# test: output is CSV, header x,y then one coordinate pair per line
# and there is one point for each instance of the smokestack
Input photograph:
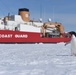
x,y
24,12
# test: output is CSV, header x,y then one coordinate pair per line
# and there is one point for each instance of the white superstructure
x,y
15,22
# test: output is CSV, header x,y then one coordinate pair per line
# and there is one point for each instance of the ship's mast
x,y
53,13
41,9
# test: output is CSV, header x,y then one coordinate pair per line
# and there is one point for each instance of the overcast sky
x,y
63,11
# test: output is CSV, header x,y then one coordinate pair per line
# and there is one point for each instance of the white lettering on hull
x,y
5,35
21,36
15,36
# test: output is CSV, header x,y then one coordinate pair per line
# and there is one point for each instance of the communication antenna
x,y
40,19
53,13
49,20
41,9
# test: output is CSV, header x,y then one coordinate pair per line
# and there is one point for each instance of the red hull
x,y
7,36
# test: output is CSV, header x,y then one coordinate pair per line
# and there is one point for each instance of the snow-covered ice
x,y
36,59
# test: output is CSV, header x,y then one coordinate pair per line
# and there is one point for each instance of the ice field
x,y
36,59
